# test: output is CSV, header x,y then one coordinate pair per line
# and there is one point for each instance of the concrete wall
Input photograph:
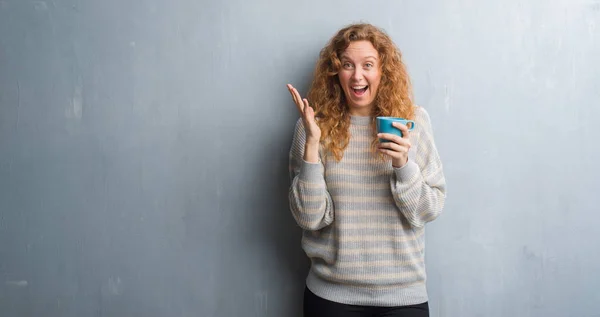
x,y
143,153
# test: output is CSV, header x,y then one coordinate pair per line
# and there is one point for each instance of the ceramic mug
x,y
384,125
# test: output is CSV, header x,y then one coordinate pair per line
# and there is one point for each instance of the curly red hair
x,y
393,98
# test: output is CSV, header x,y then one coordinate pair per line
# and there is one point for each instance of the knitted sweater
x,y
363,220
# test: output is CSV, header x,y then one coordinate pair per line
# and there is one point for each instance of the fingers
x,y
403,141
398,152
297,99
306,111
395,147
402,128
309,112
291,90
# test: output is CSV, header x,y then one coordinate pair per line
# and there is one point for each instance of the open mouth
x,y
360,90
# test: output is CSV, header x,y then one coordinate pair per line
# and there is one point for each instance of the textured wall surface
x,y
143,153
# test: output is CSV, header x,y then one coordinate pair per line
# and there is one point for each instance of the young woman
x,y
363,204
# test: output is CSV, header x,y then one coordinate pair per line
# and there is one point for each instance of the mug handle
x,y
412,124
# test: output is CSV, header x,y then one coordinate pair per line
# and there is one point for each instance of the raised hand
x,y
313,132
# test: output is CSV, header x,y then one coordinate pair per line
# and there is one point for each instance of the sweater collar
x,y
360,120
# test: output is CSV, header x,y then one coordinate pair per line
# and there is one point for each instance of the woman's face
x,y
360,76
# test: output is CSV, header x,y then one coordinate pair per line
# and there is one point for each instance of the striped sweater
x,y
363,220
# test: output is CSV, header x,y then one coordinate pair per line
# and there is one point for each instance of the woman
x,y
363,204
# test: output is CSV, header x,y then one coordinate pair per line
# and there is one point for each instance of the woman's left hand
x,y
398,146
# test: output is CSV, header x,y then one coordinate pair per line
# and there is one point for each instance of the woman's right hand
x,y
313,132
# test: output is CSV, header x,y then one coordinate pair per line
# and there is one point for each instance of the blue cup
x,y
384,125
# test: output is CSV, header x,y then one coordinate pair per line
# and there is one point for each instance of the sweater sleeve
x,y
419,187
310,202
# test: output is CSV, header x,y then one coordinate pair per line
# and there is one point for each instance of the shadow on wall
x,y
281,235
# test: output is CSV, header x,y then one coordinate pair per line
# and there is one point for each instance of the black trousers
x,y
315,306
